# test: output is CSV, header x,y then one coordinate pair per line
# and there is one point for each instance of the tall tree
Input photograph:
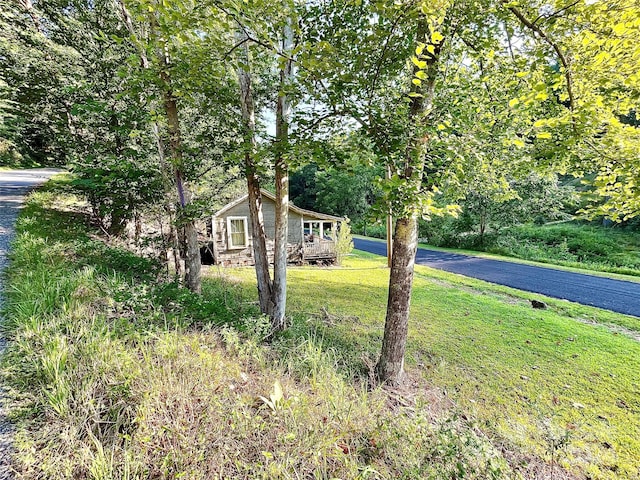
x,y
192,275
366,79
492,82
283,114
390,367
269,30
247,103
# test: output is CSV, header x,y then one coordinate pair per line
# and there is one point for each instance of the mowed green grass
x,y
558,383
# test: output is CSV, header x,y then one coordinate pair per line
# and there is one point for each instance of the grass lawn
x,y
540,382
115,372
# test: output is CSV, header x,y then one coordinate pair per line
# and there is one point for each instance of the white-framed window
x,y
237,232
311,230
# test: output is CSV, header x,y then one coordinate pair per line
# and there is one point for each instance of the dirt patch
x,y
533,468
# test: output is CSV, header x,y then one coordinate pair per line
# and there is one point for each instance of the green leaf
x,y
419,63
620,29
436,37
513,102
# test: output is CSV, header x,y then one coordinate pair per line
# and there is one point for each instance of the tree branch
x,y
383,53
319,120
557,12
237,45
563,59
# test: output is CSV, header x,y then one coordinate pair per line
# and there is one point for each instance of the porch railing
x,y
319,249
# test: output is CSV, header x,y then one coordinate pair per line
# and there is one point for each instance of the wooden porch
x,y
320,249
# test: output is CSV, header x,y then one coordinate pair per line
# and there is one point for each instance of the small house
x,y
312,235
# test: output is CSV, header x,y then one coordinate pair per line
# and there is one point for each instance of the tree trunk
x,y
283,110
175,244
390,367
192,279
259,235
261,258
192,261
169,204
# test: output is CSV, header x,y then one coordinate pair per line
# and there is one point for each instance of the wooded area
x,y
424,109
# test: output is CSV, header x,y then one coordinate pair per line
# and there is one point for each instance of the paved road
x,y
14,185
616,295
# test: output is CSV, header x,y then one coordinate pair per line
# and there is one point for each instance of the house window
x,y
312,231
328,231
237,232
315,231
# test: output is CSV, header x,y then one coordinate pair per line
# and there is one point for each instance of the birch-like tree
x,y
267,32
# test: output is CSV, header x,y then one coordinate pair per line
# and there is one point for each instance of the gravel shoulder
x,y
14,186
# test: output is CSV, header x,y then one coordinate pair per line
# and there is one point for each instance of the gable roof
x,y
301,211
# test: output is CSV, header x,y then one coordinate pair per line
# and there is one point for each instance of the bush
x,y
115,188
11,157
344,241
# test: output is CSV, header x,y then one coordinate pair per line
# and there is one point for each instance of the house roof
x,y
305,213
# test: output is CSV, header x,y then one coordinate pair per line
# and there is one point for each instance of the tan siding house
x,y
311,234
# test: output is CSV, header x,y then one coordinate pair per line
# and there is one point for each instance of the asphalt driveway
x,y
616,295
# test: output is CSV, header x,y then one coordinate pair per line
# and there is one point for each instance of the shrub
x,y
344,241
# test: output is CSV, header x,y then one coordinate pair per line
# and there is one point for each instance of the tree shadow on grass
x,y
354,341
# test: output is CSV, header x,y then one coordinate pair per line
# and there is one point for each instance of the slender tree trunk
x,y
192,266
389,226
390,367
175,246
483,226
283,110
259,236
